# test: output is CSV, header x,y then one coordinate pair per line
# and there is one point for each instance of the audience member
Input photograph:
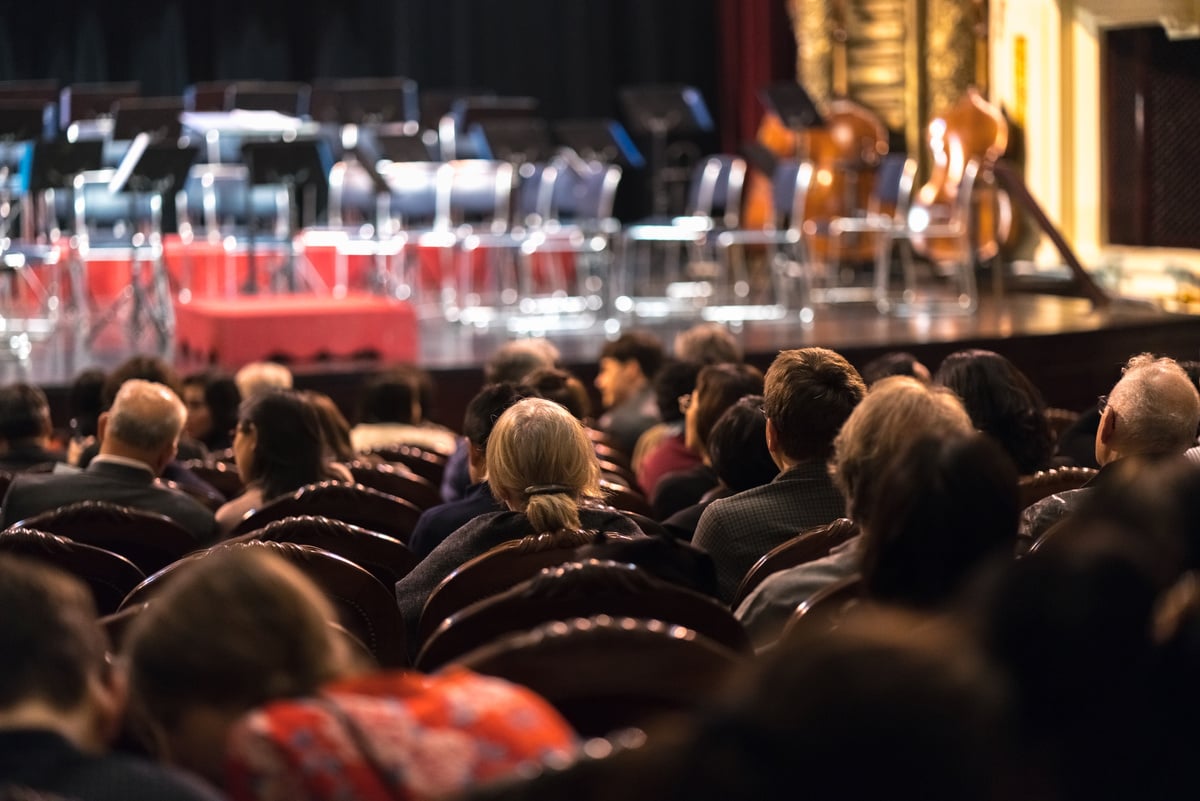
x,y
212,399
138,437
541,465
1152,411
628,365
60,702
808,394
438,523
25,429
661,449
896,362
393,411
256,377
85,402
564,389
718,387
1003,403
335,432
278,448
242,629
707,343
737,447
896,412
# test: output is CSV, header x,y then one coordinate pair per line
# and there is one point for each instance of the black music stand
x,y
147,170
365,101
400,146
792,104
514,139
158,117
468,112
89,101
54,164
302,167
660,111
603,140
20,121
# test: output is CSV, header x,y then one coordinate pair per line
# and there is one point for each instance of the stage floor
x,y
1070,350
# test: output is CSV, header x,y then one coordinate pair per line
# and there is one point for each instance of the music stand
x,y
365,101
89,101
400,146
516,140
603,140
148,169
792,104
660,111
302,167
158,117
467,112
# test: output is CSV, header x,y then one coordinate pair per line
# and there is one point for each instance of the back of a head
x,y
24,413
486,408
335,429
146,416
718,387
50,642
639,346
708,343
399,395
221,395
1157,405
808,394
258,376
887,705
675,378
85,401
737,446
540,459
563,388
289,446
147,368
944,506
1003,403
230,631
896,412
896,362
512,361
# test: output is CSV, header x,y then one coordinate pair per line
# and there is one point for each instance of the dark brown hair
x,y
808,395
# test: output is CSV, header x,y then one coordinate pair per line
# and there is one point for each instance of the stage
x,y
1070,350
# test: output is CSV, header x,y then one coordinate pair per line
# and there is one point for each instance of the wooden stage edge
x,y
1071,351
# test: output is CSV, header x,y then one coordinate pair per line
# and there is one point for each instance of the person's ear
x,y
101,426
1108,426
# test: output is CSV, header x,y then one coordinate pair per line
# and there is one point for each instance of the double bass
x,y
972,130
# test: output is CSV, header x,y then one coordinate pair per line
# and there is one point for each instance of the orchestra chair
x,y
108,575
350,503
395,479
811,544
580,589
497,570
386,558
151,541
364,607
604,673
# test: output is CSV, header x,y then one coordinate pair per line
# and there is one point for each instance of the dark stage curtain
x,y
758,47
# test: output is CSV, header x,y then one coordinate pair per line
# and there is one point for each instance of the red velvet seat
x,y
1045,483
581,589
396,480
605,673
350,503
108,575
813,543
151,541
386,558
364,606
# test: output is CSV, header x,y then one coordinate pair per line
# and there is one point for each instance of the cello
x,y
972,130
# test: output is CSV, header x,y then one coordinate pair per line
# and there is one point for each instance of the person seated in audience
x,y
138,438
890,704
553,383
718,387
278,448
1152,411
707,343
255,377
509,364
61,702
212,399
26,433
808,394
392,412
628,365
1003,403
438,523
895,362
896,412
335,434
737,448
238,674
662,448
541,465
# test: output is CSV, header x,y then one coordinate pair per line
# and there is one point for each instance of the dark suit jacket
x,y
33,493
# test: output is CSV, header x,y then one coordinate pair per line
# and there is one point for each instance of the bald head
x,y
144,423
1153,410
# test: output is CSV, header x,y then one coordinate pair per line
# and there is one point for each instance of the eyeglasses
x,y
685,402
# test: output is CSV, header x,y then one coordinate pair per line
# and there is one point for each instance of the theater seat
x,y
813,543
396,480
108,575
350,503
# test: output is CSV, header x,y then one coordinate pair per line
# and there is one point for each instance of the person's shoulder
x,y
133,779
